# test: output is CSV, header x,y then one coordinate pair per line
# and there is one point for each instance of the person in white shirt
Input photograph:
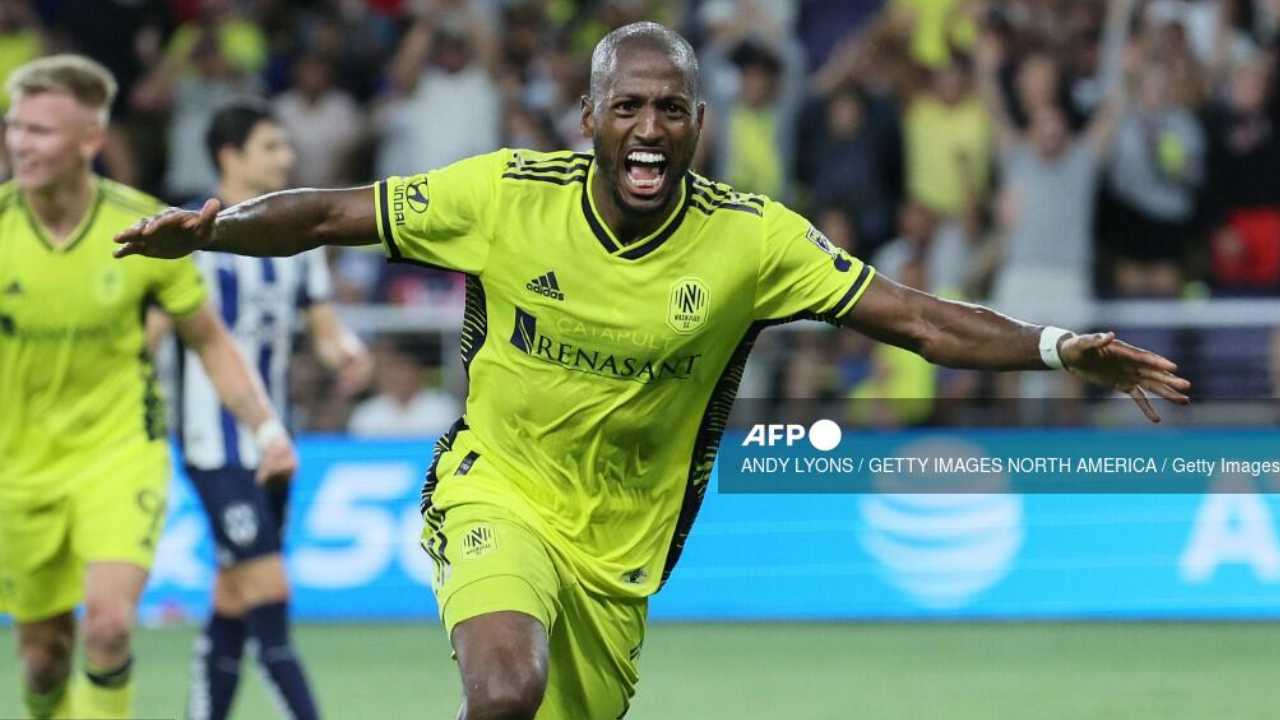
x,y
324,124
444,103
403,406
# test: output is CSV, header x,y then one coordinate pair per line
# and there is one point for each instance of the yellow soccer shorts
x,y
488,560
113,511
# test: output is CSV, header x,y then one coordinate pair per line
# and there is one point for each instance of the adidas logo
x,y
546,285
14,288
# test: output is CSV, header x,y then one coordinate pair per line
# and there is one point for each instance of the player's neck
x,y
60,207
626,227
231,192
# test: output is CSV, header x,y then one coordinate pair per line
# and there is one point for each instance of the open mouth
x,y
646,170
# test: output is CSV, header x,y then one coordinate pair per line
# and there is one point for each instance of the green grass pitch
x,y
1075,671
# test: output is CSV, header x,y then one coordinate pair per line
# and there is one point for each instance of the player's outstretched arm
x,y
274,225
240,390
962,335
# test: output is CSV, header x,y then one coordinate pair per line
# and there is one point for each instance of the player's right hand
x,y
278,463
172,234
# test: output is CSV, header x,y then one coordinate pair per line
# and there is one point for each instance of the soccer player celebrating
x,y
260,299
85,469
612,300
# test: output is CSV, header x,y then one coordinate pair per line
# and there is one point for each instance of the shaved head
x,y
644,119
641,36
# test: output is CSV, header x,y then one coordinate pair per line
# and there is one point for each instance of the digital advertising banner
x,y
815,522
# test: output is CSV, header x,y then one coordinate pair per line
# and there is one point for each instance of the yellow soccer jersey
x,y
74,372
601,376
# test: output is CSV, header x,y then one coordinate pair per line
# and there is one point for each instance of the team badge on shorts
x,y
240,523
478,541
687,310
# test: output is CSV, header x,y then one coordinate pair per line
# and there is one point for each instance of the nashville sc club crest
x,y
687,309
108,287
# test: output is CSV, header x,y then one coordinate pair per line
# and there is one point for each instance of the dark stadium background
x,y
869,117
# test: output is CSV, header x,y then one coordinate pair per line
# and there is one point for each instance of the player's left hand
x,y
172,234
1103,360
279,462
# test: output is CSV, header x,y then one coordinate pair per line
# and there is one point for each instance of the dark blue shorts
x,y
246,518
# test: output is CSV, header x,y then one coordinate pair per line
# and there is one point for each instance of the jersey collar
x,y
645,245
77,234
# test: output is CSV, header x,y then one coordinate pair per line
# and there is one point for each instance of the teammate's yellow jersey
x,y
601,375
75,376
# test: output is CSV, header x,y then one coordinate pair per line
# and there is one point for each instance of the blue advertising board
x,y
354,554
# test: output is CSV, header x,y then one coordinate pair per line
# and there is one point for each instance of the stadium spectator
x,y
822,25
888,101
403,405
359,37
124,35
901,386
1243,202
755,86
838,221
1201,22
1038,85
935,26
444,103
1155,170
240,40
525,127
324,122
127,37
21,40
555,87
1046,203
195,79
847,158
1047,197
947,135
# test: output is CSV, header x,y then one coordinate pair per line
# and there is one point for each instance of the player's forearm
x,y
963,335
237,386
157,325
953,334
294,221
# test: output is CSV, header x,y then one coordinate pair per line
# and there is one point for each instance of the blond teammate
x,y
85,469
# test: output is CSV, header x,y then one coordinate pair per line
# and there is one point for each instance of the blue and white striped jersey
x,y
261,300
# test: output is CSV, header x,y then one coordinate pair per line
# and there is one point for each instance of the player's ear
x,y
588,122
698,114
94,140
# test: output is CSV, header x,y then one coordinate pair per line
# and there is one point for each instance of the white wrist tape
x,y
1049,338
268,432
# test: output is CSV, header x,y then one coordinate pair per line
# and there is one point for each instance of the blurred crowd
x,y
1037,155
